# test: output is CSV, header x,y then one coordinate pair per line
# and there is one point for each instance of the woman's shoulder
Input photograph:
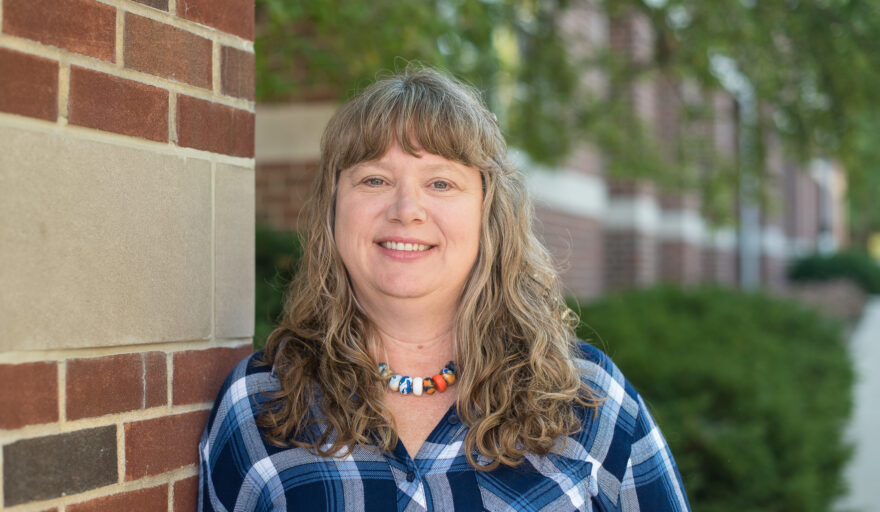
x,y
231,446
604,378
252,375
609,425
252,379
621,437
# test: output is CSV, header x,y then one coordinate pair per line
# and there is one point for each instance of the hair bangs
x,y
420,115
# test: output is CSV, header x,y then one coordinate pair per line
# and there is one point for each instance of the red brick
x,y
237,73
162,50
155,446
28,394
82,26
104,385
198,374
214,127
153,499
113,104
136,380
29,86
232,16
186,497
157,379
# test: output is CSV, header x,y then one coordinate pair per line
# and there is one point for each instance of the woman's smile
x,y
405,249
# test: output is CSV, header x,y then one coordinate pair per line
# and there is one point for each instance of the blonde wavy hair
x,y
517,383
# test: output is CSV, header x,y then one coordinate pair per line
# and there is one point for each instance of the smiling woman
x,y
420,257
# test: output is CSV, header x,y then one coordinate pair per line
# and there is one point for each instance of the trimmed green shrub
x,y
856,266
751,392
277,258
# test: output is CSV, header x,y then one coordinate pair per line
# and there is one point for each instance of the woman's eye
x,y
374,182
441,185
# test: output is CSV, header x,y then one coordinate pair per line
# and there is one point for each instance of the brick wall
x,y
126,246
281,191
630,259
719,266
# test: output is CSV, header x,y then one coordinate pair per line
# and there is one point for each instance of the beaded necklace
x,y
418,385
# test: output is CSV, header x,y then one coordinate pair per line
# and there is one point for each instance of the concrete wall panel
x,y
126,231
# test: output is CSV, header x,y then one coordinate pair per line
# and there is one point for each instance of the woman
x,y
426,359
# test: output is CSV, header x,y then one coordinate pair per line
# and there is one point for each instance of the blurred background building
x,y
610,227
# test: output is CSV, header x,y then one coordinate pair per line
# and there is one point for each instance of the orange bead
x,y
439,382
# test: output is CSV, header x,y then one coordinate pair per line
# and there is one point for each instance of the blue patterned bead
x,y
448,375
394,383
385,371
406,386
451,366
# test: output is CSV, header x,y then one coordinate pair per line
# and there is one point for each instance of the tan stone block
x,y
101,244
234,252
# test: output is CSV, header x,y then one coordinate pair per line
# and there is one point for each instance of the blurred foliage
x,y
752,393
277,258
856,266
813,66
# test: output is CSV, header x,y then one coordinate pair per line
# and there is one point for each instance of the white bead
x,y
394,383
417,386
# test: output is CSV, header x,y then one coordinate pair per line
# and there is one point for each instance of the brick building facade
x,y
126,244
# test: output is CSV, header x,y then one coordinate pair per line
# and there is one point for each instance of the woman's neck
x,y
413,337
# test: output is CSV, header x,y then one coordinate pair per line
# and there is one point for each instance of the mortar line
x,y
120,37
63,92
172,118
215,67
213,251
119,140
59,355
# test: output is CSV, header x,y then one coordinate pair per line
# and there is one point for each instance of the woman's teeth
x,y
400,246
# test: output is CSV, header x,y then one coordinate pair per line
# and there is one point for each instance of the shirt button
x,y
453,419
410,476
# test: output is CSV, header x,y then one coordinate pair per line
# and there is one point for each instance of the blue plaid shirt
x,y
618,461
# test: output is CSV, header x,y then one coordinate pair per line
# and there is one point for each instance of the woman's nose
x,y
408,205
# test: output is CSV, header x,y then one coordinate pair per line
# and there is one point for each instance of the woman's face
x,y
408,227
